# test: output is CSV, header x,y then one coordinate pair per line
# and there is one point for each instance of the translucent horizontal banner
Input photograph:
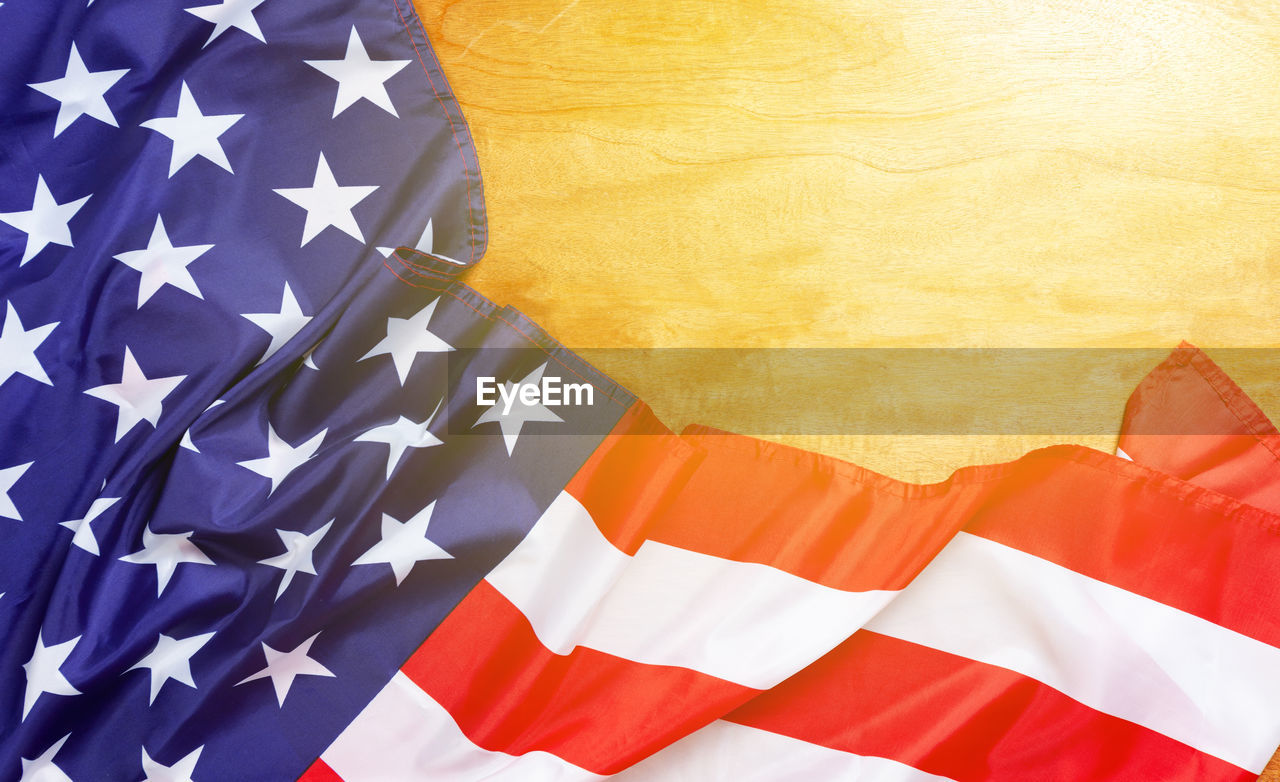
x,y
826,391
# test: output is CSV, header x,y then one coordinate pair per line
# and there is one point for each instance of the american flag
x,y
253,524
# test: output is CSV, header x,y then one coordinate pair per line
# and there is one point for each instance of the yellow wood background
x,y
877,173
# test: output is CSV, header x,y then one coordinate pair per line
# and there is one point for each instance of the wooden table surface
x,y
877,173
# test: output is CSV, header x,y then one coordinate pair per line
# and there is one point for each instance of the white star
x,y
298,548
139,398
404,544
80,91
327,203
284,667
163,264
8,477
169,659
42,769
44,674
46,222
166,551
228,14
282,458
18,348
401,435
360,77
193,133
425,244
84,537
406,338
280,325
178,772
520,414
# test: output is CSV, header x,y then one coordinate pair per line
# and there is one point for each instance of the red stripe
x,y
846,527
1188,394
729,497
1189,419
1107,518
879,696
508,693
1146,533
320,772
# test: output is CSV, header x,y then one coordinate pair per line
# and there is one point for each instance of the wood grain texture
x,y
847,173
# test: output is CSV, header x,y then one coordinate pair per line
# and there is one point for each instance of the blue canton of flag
x,y
231,497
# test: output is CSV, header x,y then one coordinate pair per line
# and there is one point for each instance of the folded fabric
x,y
715,607
1189,419
253,514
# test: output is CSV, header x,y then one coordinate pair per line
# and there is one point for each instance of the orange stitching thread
x,y
1220,384
471,227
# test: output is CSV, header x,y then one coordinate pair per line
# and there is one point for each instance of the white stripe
x,y
728,751
404,735
741,622
1120,653
1120,452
